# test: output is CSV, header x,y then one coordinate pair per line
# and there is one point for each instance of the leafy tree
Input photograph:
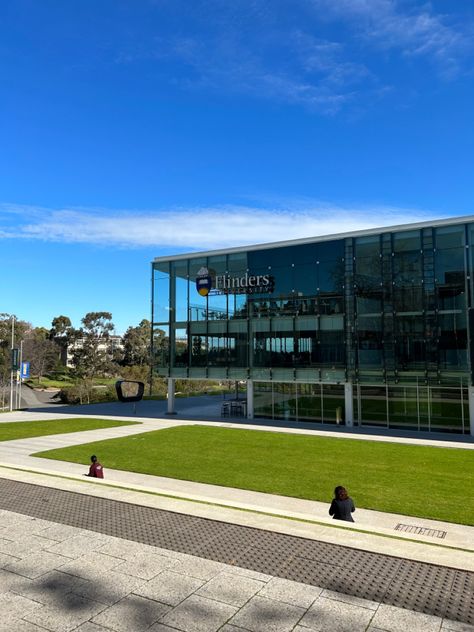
x,y
61,327
63,334
136,345
92,353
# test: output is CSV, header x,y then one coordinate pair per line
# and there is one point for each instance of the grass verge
x,y
26,429
424,481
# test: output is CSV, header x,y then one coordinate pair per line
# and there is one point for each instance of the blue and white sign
x,y
25,370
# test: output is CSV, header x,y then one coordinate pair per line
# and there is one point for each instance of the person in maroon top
x,y
96,470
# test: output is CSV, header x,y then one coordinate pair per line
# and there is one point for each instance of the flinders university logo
x,y
203,282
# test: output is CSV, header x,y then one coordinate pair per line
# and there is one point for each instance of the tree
x,y
136,345
92,352
40,351
62,333
61,327
21,327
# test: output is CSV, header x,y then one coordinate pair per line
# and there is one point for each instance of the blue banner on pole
x,y
25,370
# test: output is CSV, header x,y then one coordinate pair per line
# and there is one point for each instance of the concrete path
x,y
57,577
60,578
375,531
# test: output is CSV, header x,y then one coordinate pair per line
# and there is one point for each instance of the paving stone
x,y
60,532
290,592
160,627
68,615
395,619
355,601
145,565
50,588
37,564
88,626
132,613
90,565
169,587
247,572
198,567
127,550
267,615
24,546
456,626
13,606
109,588
327,614
6,560
9,581
24,626
24,525
197,614
232,589
77,546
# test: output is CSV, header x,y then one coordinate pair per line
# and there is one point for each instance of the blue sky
x,y
131,129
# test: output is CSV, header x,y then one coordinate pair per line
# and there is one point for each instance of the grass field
x,y
25,429
420,481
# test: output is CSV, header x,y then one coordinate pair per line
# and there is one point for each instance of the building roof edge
x,y
308,240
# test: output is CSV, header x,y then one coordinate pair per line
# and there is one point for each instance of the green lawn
x,y
413,480
25,429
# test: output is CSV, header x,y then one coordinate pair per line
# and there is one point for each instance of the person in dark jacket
x,y
342,505
96,470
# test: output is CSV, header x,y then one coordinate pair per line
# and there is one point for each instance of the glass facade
x,y
387,313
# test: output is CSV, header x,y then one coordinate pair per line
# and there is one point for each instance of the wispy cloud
x,y
198,228
297,69
413,29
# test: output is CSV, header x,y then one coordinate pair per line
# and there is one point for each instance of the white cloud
x,y
416,32
200,228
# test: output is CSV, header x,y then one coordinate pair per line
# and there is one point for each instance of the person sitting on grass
x,y
96,470
342,505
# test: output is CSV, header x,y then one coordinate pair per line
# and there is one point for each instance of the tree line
x,y
92,353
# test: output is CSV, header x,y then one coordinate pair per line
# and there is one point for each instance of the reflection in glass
x,y
161,293
263,399
180,351
179,275
284,401
161,344
198,350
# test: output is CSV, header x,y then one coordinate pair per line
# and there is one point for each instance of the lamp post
x,y
11,372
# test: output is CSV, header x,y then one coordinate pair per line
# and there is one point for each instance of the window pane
x,y
181,352
309,402
197,302
262,405
161,293
284,398
179,273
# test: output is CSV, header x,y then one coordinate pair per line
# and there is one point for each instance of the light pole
x,y
11,372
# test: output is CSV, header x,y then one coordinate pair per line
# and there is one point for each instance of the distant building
x,y
369,328
109,345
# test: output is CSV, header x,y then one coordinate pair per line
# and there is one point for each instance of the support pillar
x,y
348,404
249,399
471,409
170,397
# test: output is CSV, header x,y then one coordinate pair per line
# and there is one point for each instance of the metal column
x,y
349,404
471,408
170,396
249,399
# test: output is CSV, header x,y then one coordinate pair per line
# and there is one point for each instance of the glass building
x,y
372,327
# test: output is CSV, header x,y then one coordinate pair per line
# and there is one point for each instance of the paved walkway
x,y
308,519
60,578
